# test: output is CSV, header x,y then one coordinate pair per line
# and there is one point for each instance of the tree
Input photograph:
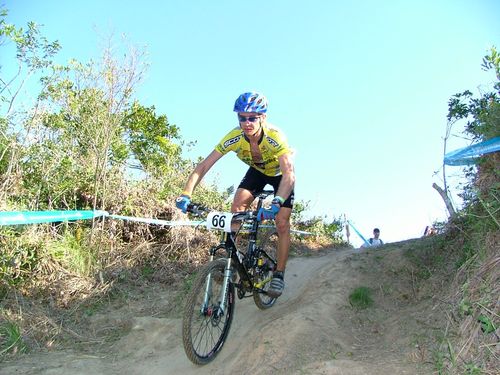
x,y
85,108
33,54
482,117
150,139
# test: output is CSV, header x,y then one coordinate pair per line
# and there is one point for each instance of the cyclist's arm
x,y
201,169
288,179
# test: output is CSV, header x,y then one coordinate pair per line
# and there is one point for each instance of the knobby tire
x,y
264,273
203,331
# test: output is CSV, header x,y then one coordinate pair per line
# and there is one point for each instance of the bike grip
x,y
196,208
279,200
192,207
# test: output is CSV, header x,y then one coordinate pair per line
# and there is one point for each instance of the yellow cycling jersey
x,y
272,145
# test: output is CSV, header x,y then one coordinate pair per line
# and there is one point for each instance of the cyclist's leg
x,y
282,222
243,198
283,229
250,186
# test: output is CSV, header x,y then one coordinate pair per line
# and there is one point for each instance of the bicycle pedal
x,y
235,278
242,293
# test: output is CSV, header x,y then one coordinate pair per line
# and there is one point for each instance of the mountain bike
x,y
209,308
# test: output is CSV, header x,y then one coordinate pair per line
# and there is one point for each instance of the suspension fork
x,y
208,283
223,293
225,285
228,244
231,249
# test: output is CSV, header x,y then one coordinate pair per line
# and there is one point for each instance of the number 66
x,y
219,221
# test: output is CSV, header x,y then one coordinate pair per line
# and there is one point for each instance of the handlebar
x,y
201,211
197,209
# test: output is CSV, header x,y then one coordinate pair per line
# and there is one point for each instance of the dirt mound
x,y
312,328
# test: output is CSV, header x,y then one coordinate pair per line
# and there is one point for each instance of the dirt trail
x,y
311,330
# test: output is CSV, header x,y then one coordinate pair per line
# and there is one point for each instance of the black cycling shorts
x,y
255,181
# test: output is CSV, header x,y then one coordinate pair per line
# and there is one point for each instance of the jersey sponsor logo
x,y
272,142
231,141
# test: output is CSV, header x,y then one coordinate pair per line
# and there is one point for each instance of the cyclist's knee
x,y
282,225
242,200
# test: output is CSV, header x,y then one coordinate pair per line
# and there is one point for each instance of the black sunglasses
x,y
245,119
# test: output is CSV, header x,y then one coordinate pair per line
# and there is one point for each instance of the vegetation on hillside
x,y
471,241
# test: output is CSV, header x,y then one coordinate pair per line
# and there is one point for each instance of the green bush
x,y
19,257
360,298
11,340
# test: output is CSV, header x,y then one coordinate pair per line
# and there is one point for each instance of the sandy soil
x,y
312,329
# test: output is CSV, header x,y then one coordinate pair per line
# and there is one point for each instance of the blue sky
x,y
360,88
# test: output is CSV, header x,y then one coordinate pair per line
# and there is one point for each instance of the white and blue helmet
x,y
251,102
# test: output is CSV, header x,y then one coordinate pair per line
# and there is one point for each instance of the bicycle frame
x,y
227,243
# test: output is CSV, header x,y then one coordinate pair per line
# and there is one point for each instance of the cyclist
x,y
264,148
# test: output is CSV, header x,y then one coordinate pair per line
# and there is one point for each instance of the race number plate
x,y
219,221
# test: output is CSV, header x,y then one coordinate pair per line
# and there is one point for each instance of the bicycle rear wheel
x,y
205,326
264,271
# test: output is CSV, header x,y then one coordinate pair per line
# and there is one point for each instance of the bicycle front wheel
x,y
206,323
264,271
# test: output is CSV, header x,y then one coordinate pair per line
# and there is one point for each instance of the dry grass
x,y
487,175
49,305
477,286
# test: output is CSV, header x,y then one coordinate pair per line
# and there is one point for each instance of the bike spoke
x,y
204,328
264,272
207,335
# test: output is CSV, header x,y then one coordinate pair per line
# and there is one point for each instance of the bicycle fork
x,y
223,293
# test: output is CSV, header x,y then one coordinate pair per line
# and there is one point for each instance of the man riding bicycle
x,y
264,148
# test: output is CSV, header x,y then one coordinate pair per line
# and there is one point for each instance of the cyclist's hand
x,y
269,214
265,214
182,202
276,204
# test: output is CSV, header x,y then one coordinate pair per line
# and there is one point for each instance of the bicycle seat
x,y
265,193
